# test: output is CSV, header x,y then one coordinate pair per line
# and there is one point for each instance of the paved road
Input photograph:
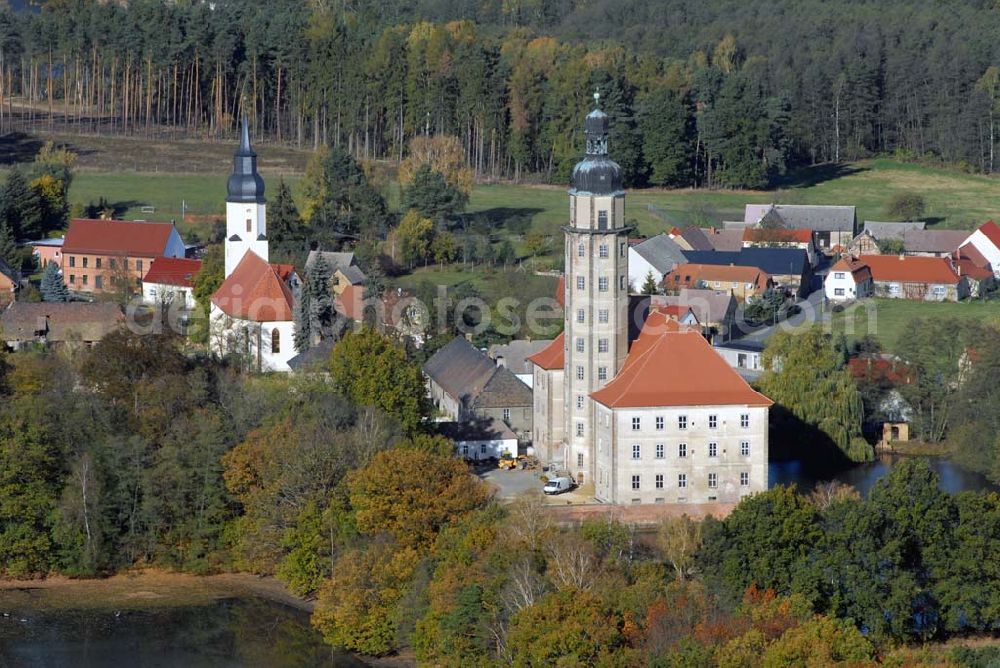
x,y
812,311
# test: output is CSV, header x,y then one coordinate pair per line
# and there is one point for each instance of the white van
x,y
558,485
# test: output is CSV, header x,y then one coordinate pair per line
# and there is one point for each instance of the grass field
x,y
887,319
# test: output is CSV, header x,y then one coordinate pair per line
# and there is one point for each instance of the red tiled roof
x,y
992,232
690,274
967,267
777,235
255,291
673,365
677,311
878,368
859,270
970,252
284,271
172,271
552,356
117,237
911,269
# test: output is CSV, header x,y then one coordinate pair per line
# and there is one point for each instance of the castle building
x,y
661,419
251,312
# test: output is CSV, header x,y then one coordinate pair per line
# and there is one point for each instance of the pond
x,y
228,632
862,477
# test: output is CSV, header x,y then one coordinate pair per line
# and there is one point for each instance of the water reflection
x,y
862,477
231,632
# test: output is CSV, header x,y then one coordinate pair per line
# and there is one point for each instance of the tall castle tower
x,y
246,218
596,300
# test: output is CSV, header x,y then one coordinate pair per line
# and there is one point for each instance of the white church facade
x,y
251,312
661,419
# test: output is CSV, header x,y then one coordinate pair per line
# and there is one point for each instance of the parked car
x,y
558,485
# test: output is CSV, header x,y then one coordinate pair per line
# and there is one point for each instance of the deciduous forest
x,y
724,93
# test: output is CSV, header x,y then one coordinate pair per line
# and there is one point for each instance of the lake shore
x,y
142,589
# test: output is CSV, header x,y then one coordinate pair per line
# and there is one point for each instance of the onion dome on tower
x,y
245,184
597,174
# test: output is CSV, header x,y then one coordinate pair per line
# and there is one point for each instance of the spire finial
x,y
244,134
597,97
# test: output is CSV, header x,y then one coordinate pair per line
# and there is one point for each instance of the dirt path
x,y
142,589
644,516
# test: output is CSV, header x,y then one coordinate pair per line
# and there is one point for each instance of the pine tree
x,y
320,300
22,206
283,219
649,286
302,320
9,251
53,289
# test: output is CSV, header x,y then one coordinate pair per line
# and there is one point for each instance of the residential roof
x,y
344,261
502,390
671,365
661,251
490,429
859,270
725,240
933,241
117,237
745,345
970,252
553,356
696,238
57,243
353,274
880,367
967,267
255,291
172,271
911,269
689,274
59,321
460,369
709,306
350,303
516,353
777,235
774,261
676,311
821,218
992,232
881,230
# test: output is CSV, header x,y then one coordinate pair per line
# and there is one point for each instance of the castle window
x,y
579,373
636,451
659,423
635,482
659,451
745,448
275,341
579,429
682,449
602,373
659,481
713,421
602,220
713,480
97,262
579,459
682,422
745,420
579,344
579,401
580,315
602,284
581,283
249,222
744,479
72,260
682,480
602,251
713,449
581,251
602,345
85,262
636,424
602,315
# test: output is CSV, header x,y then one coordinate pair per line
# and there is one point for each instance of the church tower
x,y
596,299
246,226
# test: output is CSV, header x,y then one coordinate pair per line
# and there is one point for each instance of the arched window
x,y
248,224
275,341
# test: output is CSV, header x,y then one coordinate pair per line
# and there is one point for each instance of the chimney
x,y
501,362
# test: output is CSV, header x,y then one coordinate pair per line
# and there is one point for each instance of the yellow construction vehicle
x,y
507,462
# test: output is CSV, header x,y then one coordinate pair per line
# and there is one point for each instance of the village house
x,y
514,355
46,251
63,324
755,237
657,256
744,356
482,439
909,238
344,269
899,277
714,309
831,226
170,280
848,279
10,283
656,417
932,243
788,268
740,281
466,386
251,312
986,241
97,255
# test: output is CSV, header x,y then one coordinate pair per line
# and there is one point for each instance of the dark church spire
x,y
245,184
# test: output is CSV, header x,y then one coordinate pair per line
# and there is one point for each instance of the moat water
x,y
230,632
953,478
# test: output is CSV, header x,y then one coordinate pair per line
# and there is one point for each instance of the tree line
x,y
718,94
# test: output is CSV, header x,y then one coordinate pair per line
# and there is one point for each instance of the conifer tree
x,y
302,322
22,206
649,285
53,289
9,250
